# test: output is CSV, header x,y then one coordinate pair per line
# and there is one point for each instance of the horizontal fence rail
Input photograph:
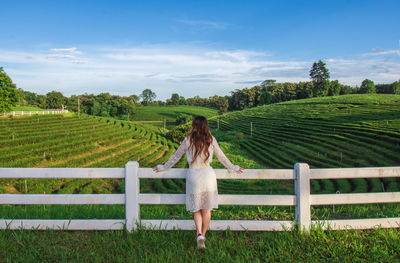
x,y
132,199
29,113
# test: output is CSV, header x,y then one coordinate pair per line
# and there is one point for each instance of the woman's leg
x,y
198,221
206,217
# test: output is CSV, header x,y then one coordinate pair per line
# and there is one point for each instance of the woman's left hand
x,y
155,169
240,170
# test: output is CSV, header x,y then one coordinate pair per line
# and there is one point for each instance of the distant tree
x,y
160,103
237,100
396,87
320,89
393,88
319,73
320,78
134,98
41,101
334,88
21,98
265,98
245,98
268,83
174,99
29,97
55,100
182,100
8,92
304,90
289,91
222,104
96,108
367,86
147,96
345,89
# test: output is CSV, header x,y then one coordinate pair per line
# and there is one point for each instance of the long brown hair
x,y
200,137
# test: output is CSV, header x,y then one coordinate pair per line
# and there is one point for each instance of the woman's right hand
x,y
240,170
155,169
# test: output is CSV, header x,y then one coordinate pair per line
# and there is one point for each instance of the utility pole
x,y
165,121
251,129
218,124
79,109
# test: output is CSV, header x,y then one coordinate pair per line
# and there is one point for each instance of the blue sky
x,y
194,47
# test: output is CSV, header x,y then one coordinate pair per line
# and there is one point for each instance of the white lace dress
x,y
201,181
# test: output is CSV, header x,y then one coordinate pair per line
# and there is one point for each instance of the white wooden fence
x,y
29,113
132,198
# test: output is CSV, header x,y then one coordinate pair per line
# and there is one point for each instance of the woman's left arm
x,y
173,159
223,159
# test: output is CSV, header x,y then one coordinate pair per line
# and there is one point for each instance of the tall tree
x,y
319,73
8,92
147,96
320,78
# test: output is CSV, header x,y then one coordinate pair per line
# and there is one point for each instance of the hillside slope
x,y
343,131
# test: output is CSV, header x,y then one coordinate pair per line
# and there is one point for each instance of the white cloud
x,y
204,23
56,56
381,52
72,50
188,70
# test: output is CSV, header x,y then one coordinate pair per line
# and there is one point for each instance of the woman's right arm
x,y
173,159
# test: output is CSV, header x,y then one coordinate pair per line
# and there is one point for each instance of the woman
x,y
201,181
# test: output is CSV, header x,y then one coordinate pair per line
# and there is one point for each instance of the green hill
x,y
341,131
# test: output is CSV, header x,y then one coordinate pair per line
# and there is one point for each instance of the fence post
x,y
302,190
131,195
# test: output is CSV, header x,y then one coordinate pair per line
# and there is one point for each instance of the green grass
x,y
169,113
26,108
378,245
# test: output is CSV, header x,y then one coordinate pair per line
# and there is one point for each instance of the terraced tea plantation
x,y
342,131
58,141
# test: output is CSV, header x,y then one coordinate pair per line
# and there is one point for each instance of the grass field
x,y
380,245
26,108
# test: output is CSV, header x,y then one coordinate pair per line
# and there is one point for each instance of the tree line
x,y
123,107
